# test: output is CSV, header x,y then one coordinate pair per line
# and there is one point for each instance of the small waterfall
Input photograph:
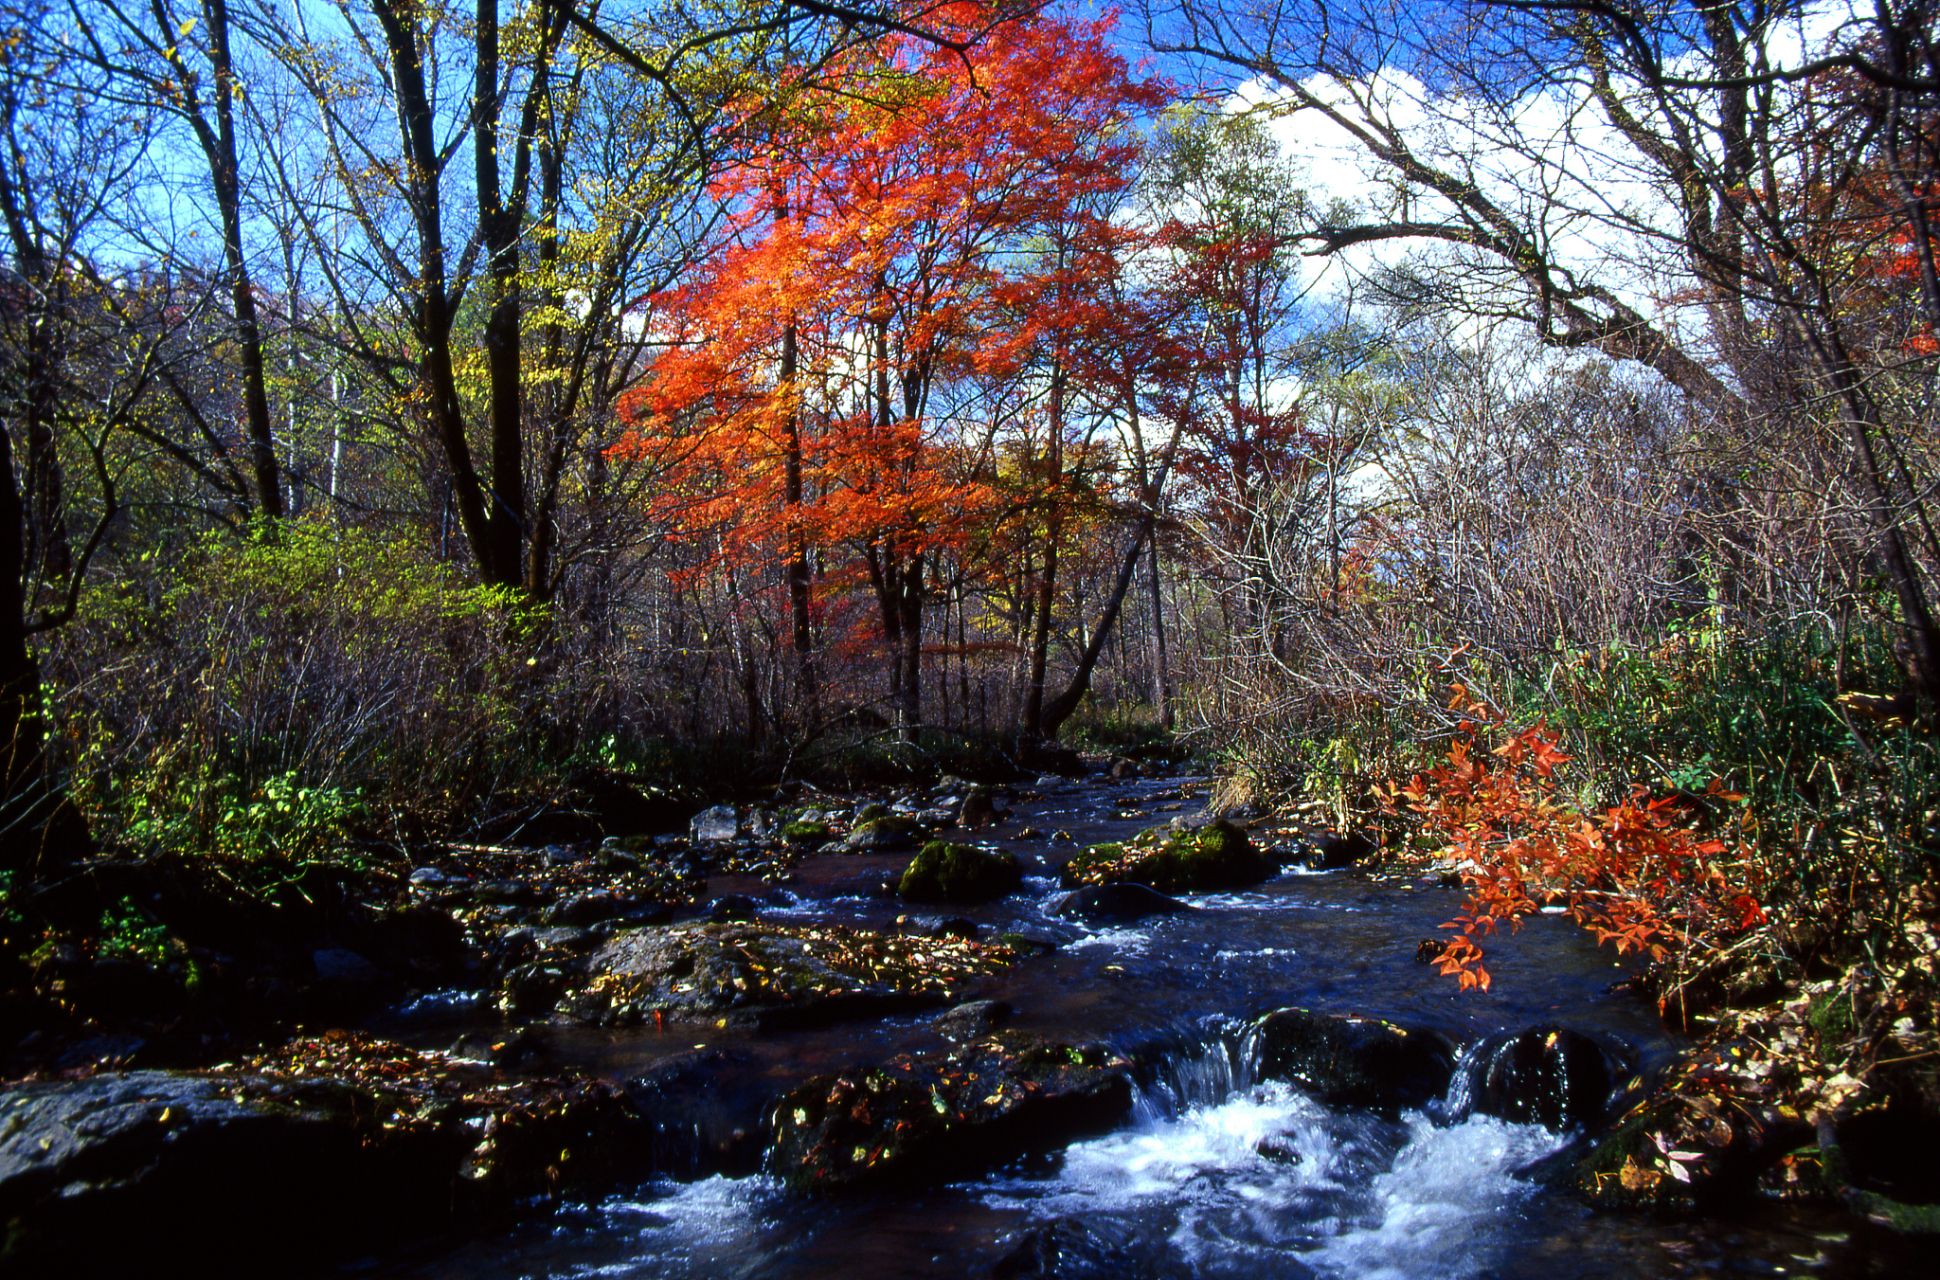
x,y
1202,1067
1553,1076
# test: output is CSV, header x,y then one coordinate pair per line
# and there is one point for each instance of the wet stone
x,y
345,967
154,1173
1216,856
922,1118
1552,1076
883,834
774,975
718,823
584,909
733,906
1116,903
1354,1062
968,1021
944,872
1335,850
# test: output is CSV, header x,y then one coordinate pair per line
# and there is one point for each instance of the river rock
x,y
708,1111
1353,1062
968,1021
774,975
733,906
883,834
151,1172
978,810
1551,1076
807,833
594,906
718,823
923,1118
1116,903
953,873
344,967
1335,850
1216,856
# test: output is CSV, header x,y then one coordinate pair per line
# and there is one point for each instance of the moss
x,y
1091,864
1216,856
883,834
806,832
1907,1219
1620,1171
960,873
1831,1015
870,812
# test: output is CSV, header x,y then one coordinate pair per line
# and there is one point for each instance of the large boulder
x,y
1551,1076
883,835
928,1117
775,975
716,824
1116,904
1216,856
953,873
1353,1062
154,1172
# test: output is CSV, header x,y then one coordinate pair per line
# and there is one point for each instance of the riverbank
x,y
556,1058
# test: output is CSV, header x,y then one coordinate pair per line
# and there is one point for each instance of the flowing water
x,y
1217,1174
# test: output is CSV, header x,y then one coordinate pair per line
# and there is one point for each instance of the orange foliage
x,y
876,231
1636,875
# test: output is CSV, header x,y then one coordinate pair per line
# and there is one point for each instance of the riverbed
x,y
1217,1172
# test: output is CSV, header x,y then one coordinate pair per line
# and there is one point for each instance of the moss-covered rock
x,y
928,1117
807,833
1216,856
1627,1169
881,835
953,873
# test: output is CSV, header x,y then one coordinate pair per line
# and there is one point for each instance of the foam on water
x,y
1258,953
1270,1182
709,1230
1131,942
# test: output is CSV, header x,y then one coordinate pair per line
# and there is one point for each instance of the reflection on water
x,y
1217,1175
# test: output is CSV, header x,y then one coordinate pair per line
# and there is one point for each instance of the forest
x,y
1500,429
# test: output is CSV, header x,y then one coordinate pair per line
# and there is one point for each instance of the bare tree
x,y
1575,157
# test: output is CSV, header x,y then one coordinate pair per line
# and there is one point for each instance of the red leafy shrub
x,y
1636,874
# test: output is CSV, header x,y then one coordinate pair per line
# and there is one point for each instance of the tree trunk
x,y
40,829
219,148
1034,728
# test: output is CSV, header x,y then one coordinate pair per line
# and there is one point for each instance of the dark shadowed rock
x,y
1551,1076
927,1117
968,1021
708,1110
1336,850
343,967
733,906
151,1173
978,810
1103,903
1353,1062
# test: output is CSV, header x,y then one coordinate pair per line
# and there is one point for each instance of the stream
x,y
1217,1173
